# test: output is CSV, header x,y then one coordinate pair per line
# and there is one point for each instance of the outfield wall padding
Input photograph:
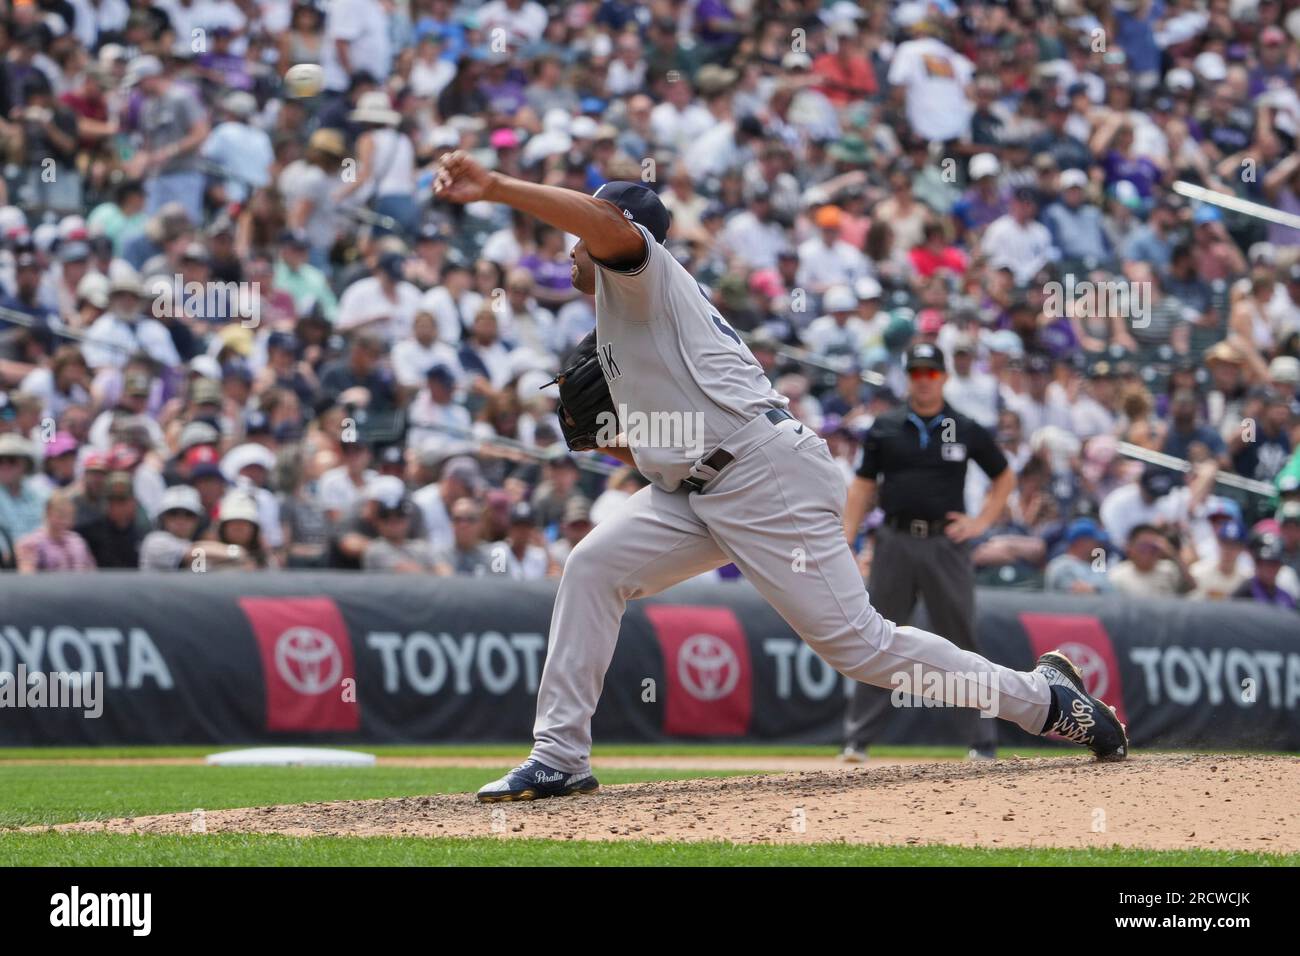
x,y
345,658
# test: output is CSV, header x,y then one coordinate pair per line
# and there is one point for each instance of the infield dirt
x,y
1161,801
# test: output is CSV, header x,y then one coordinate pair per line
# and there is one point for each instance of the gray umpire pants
x,y
903,568
776,512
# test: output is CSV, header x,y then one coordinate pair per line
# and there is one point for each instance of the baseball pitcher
x,y
752,486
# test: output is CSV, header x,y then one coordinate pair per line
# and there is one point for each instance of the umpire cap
x,y
925,355
639,204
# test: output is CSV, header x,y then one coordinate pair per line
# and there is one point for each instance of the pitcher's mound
x,y
1161,801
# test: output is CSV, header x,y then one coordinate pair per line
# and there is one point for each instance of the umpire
x,y
914,464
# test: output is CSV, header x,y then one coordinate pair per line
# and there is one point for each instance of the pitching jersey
x,y
679,374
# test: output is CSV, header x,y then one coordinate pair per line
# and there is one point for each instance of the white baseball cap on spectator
x,y
244,456
1179,79
1073,179
796,60
475,124
1285,370
1262,253
1005,341
984,164
207,366
111,53
442,137
868,287
12,220
238,506
45,235
73,227
142,68
386,489
1210,66
526,359
93,287
534,383
181,498
583,127
546,144
839,298
555,120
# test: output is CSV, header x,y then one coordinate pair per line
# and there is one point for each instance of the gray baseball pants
x,y
776,512
939,570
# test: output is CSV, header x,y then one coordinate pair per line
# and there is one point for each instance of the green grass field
x,y
50,792
237,849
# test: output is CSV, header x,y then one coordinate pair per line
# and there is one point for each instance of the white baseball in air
x,y
304,79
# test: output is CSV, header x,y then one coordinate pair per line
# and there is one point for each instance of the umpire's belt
x,y
709,467
917,527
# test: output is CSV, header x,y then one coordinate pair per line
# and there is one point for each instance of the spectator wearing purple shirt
x,y
1266,550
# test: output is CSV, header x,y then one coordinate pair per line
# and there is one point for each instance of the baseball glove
x,y
584,397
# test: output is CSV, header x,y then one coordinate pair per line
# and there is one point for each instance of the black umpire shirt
x,y
922,476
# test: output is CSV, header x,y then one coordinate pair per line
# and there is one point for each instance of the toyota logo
x,y
308,660
708,667
1096,676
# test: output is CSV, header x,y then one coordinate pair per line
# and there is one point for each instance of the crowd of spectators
x,y
237,329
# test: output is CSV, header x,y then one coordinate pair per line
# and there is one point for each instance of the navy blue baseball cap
x,y
1233,531
639,204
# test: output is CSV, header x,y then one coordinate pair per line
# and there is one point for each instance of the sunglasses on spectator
x,y
923,374
387,514
465,519
9,459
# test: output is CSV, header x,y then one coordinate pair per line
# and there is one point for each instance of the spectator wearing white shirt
x,y
485,360
840,331
678,122
458,477
934,79
522,20
970,391
626,73
753,235
525,560
523,322
413,356
1094,411
825,259
1042,403
436,420
1156,498
383,301
123,331
442,301
356,41
1017,240
342,488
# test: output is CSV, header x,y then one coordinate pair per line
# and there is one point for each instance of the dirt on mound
x,y
1228,802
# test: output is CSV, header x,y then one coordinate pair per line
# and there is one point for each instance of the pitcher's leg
x,y
892,589
653,542
764,514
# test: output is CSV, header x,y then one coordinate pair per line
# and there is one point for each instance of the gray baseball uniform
x,y
774,510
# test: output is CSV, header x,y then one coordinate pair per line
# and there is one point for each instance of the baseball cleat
x,y
533,780
1081,718
852,754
